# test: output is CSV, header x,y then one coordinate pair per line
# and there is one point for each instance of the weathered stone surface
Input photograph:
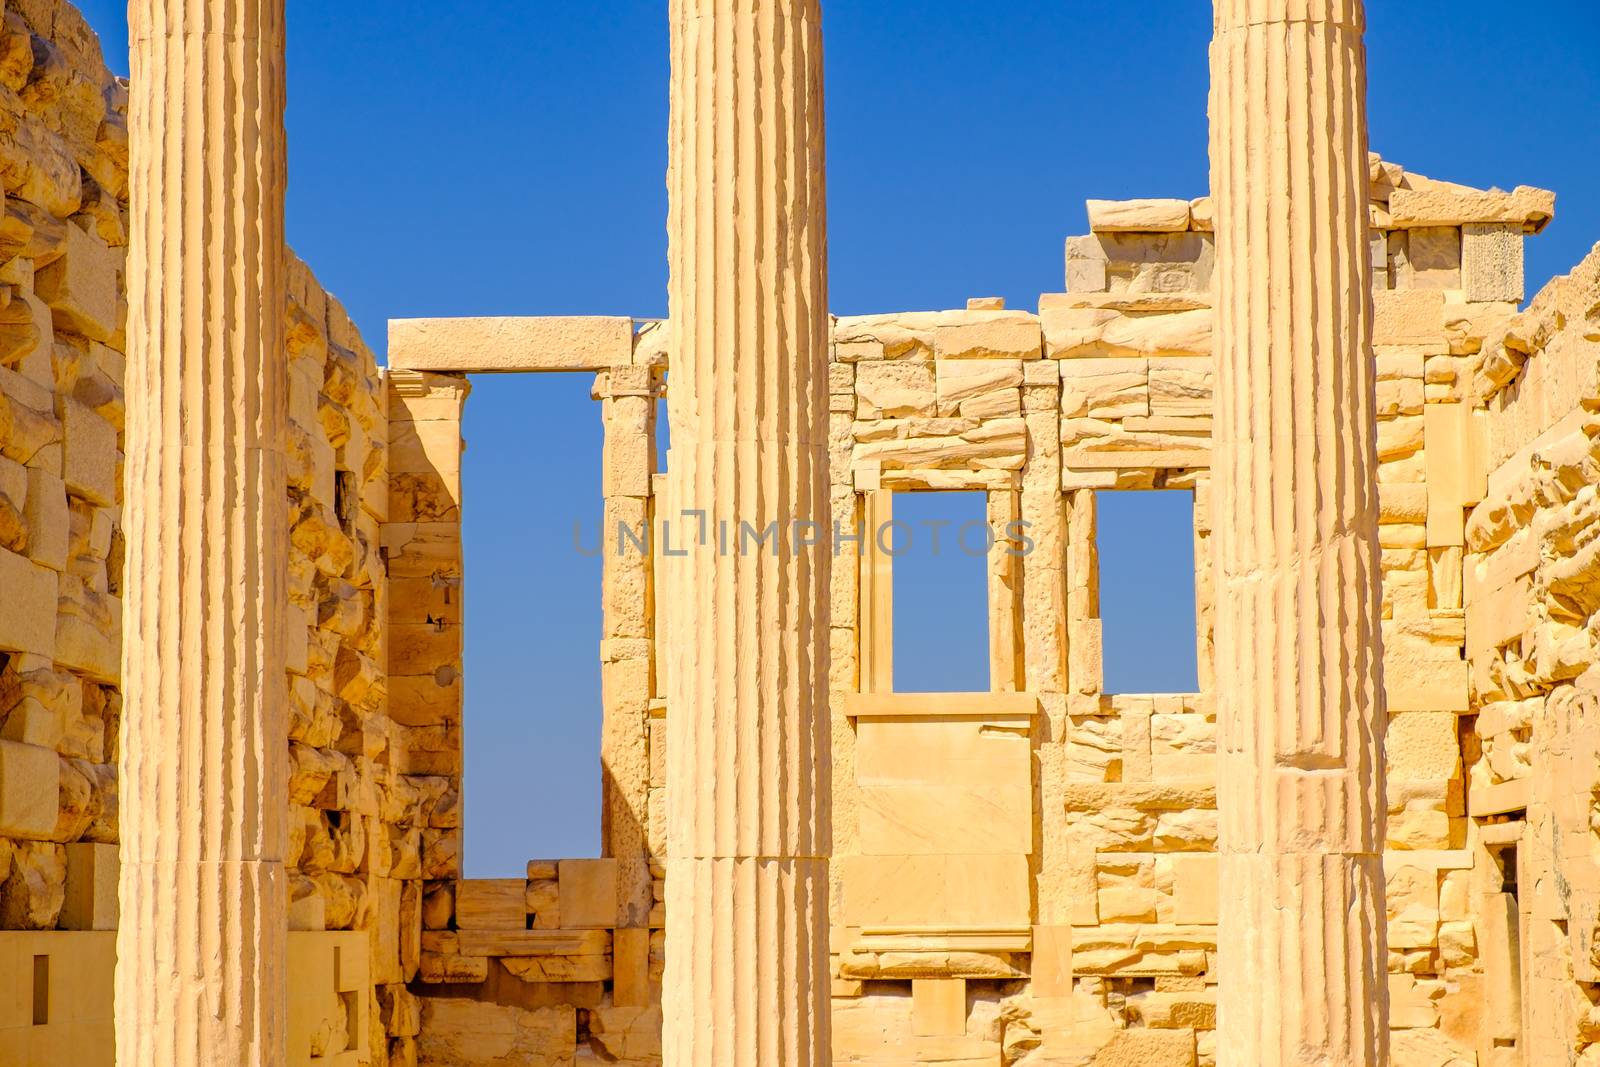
x,y
1143,216
1301,805
489,345
751,858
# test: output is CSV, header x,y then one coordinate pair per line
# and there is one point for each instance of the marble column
x,y
201,947
1298,642
747,708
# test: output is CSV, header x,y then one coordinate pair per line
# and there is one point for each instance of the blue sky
x,y
508,158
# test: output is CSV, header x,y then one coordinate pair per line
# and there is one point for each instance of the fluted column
x,y
1298,641
202,941
747,938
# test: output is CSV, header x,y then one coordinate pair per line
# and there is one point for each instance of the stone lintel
x,y
511,345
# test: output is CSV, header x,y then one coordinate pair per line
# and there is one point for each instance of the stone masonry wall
x,y
63,165
1028,876
1533,643
1021,877
355,843
1108,955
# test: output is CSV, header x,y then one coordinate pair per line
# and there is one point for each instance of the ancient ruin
x,y
231,686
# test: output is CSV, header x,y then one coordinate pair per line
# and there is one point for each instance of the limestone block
x,y
1072,333
329,999
1422,746
422,700
954,751
938,891
89,454
894,389
939,1007
491,904
1457,469
1432,685
1154,271
46,516
1085,275
1442,204
588,894
1412,899
39,167
56,1000
30,788
1409,317
1052,961
631,968
988,335
88,631
91,887
488,345
1400,437
996,445
443,963
457,1031
1181,386
1148,1048
432,447
1194,887
1430,1048
978,388
1432,258
1138,216
1492,262
82,286
933,819
1400,397
28,623
1105,388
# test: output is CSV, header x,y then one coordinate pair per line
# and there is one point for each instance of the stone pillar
x,y
1298,640
747,709
627,398
204,747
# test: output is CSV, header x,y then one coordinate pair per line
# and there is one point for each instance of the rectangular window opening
x,y
532,546
939,544
1149,627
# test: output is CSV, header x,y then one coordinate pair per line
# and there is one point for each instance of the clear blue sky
x,y
508,158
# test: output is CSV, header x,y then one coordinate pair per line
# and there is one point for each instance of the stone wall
x,y
1118,962
1025,876
354,852
63,165
1028,875
1533,644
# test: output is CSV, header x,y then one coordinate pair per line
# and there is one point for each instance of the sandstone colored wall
x,y
1533,644
1025,876
63,165
355,838
1047,896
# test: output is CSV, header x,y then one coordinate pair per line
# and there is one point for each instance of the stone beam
x,y
747,674
512,345
1298,643
202,948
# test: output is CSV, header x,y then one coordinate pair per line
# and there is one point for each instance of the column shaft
x,y
1298,640
201,947
747,718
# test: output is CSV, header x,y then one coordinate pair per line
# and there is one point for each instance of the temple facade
x,y
231,628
